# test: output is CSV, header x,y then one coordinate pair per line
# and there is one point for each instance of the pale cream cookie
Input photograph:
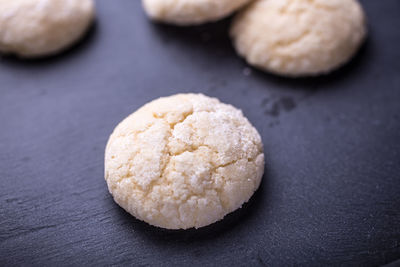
x,y
183,161
36,28
190,12
299,37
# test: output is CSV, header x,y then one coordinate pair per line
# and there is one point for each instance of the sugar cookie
x,y
35,28
299,37
190,12
183,161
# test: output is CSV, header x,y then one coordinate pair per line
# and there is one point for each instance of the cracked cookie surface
x,y
183,161
36,28
190,12
299,37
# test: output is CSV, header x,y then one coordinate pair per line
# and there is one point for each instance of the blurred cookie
x,y
33,28
190,12
299,37
183,161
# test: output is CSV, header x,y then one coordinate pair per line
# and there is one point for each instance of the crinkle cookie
x,y
191,12
36,28
299,37
183,161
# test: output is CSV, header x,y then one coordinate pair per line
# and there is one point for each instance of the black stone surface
x,y
331,191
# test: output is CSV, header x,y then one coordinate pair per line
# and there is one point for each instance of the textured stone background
x,y
331,191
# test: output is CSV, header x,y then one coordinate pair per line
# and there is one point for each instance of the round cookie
x,y
299,37
183,161
190,12
35,28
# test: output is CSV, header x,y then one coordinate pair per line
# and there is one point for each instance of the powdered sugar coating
x,y
35,28
183,161
299,37
190,12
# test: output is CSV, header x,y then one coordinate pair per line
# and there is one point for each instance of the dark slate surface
x,y
331,192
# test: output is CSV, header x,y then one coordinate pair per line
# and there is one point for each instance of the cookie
x,y
299,37
183,161
33,28
190,12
